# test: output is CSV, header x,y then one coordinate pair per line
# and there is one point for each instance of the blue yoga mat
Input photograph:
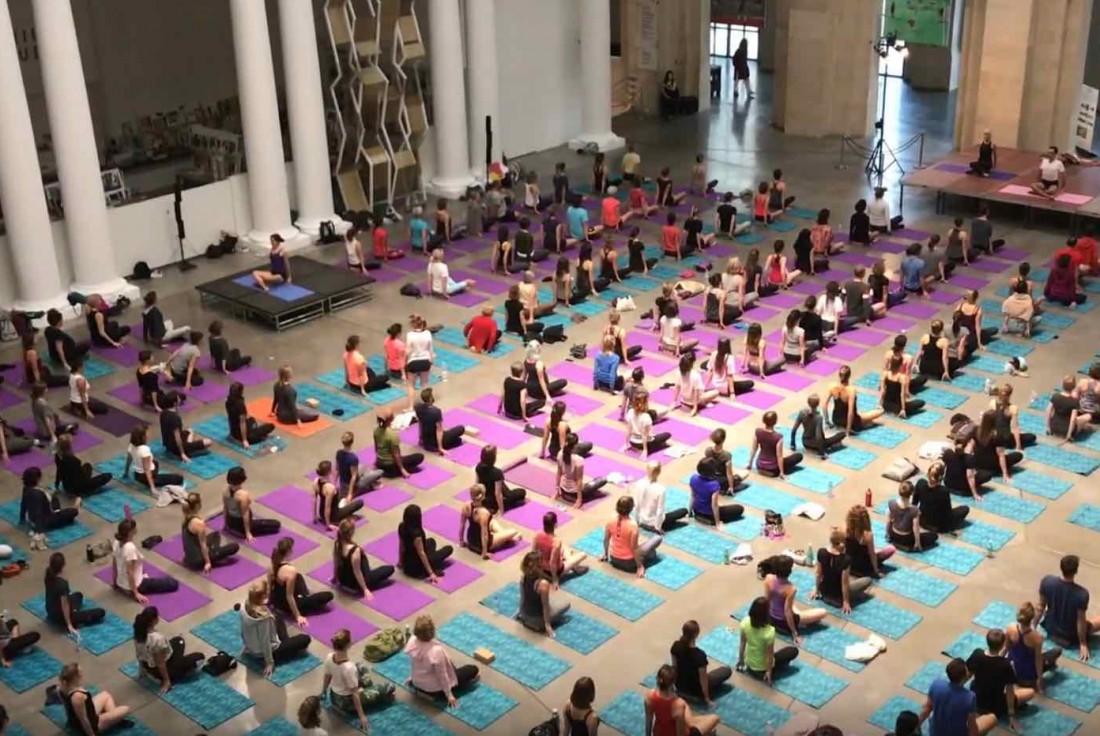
x,y
966,382
1032,422
1086,515
917,586
827,642
206,700
328,401
667,271
1011,506
208,466
816,480
873,614
277,726
216,428
110,505
749,714
880,435
612,594
56,538
802,213
479,706
747,528
454,362
666,571
590,308
1040,484
764,498
1009,349
702,543
849,457
953,558
285,292
963,646
1090,440
924,419
399,719
783,226
942,398
30,669
869,381
886,716
521,660
625,713
749,238
985,536
577,631
115,466
56,715
923,678
96,638
336,380
986,364
223,632
1059,457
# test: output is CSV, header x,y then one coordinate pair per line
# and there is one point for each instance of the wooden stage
x,y
1015,169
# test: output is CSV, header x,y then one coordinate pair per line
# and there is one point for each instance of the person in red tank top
x,y
557,561
667,714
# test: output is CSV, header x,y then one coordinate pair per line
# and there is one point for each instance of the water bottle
x,y
810,557
408,632
445,375
554,715
868,499
126,512
729,555
769,728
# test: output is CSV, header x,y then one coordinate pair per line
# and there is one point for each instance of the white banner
x,y
647,35
1086,117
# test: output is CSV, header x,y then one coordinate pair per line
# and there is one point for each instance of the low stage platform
x,y
1009,184
316,290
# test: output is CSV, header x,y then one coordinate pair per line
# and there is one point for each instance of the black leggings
x,y
180,665
726,513
584,449
95,406
616,386
831,441
56,519
192,448
114,330
257,432
339,513
373,576
781,658
235,360
89,483
956,518
672,520
917,382
909,542
311,602
790,462
588,489
513,498
409,462
912,406
79,615
656,442
556,387
533,407
452,437
154,585
729,314
181,379
164,398
289,646
374,382
18,643
260,527
160,479
466,675
436,555
993,465
219,552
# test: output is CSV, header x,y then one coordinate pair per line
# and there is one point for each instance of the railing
x,y
880,156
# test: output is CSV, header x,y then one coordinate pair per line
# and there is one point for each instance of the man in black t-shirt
x,y
433,437
62,347
994,684
726,222
179,441
513,400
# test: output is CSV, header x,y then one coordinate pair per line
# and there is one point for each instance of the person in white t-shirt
x,y
878,212
1052,175
419,354
129,567
440,282
672,327
690,392
354,250
649,502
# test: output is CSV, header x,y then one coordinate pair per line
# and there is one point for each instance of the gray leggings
x,y
558,609
647,550
771,365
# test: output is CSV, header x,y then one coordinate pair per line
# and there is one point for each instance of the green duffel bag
x,y
383,644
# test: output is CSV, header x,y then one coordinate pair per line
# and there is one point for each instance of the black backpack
x,y
553,334
142,271
549,727
219,664
410,289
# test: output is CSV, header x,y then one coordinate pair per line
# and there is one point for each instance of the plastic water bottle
x,y
126,512
408,632
810,557
868,499
445,375
769,728
554,715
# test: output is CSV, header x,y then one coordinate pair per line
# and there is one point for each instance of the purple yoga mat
x,y
82,440
847,352
487,404
649,341
535,477
893,324
806,288
388,275
456,575
395,599
579,405
783,300
232,574
909,233
443,521
115,422
209,392
170,606
249,375
864,337
298,504
484,283
727,414
600,466
426,477
265,544
821,367
490,431
9,399
608,438
889,246
832,274
465,299
990,265
654,366
1012,254
855,259
385,498
760,312
572,372
683,431
127,355
790,381
964,281
32,458
468,454
915,309
940,296
760,399
129,393
324,625
692,313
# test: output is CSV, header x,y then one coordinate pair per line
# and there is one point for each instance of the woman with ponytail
x,y
556,430
164,660
622,546
289,592
129,567
1024,648
350,568
479,530
537,611
667,714
329,509
63,607
569,483
359,377
202,547
690,662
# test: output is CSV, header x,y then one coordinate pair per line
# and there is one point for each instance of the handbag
x,y
625,304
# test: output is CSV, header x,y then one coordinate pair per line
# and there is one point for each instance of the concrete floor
x,y
742,147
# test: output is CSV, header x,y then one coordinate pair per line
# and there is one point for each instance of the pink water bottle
x,y
126,512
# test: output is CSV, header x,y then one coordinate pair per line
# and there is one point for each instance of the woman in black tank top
x,y
351,569
289,592
578,712
87,713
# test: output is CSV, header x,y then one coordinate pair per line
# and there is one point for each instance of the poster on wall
x,y
1085,123
918,21
647,35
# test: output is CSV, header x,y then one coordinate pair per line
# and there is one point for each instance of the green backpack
x,y
383,645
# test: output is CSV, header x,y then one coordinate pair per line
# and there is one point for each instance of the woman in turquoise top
x,y
419,231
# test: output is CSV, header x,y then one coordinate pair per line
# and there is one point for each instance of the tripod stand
x,y
876,164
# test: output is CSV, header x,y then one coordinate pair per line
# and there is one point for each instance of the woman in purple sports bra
x,y
279,272
780,594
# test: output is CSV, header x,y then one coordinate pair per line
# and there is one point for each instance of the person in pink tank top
x,y
556,560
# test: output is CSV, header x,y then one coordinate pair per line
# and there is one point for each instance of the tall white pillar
x,y
452,164
482,80
74,146
306,109
595,19
38,283
263,139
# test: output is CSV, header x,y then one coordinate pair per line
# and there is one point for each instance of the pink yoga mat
x,y
539,479
820,367
893,324
1064,197
790,381
490,431
170,606
443,521
394,599
847,352
468,454
572,372
298,504
385,498
649,341
598,465
654,366
456,575
759,399
916,309
783,300
579,405
265,544
864,337
232,574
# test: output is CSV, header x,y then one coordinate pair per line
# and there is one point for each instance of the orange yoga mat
x,y
261,409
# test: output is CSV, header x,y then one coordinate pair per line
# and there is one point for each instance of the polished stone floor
x,y
742,146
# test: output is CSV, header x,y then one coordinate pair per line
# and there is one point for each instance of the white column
x,y
263,139
38,283
483,80
74,148
306,109
595,61
452,160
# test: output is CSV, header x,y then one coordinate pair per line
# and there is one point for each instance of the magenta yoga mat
x,y
832,274
388,275
82,440
916,309
597,465
864,337
648,341
807,288
759,399
324,625
579,405
232,574
249,375
385,498
170,606
265,544
490,431
456,575
783,300
487,404
608,438
426,477
468,454
963,281
444,520
483,282
32,458
942,296
653,365
910,233
298,505
572,372
789,380
394,599
893,324
127,355
821,367
847,352
853,258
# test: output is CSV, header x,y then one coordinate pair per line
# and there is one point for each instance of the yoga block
x,y
312,403
483,655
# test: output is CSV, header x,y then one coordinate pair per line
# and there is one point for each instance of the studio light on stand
x,y
876,163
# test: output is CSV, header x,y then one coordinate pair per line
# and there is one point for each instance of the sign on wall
x,y
918,21
647,35
1085,123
